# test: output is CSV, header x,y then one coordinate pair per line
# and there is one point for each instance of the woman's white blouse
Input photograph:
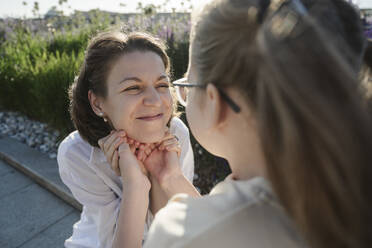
x,y
86,172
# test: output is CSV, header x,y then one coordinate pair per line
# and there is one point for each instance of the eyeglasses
x,y
181,86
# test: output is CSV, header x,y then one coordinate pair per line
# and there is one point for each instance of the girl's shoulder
x,y
226,214
227,196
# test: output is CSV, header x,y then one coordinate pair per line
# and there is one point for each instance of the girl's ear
x,y
95,103
215,109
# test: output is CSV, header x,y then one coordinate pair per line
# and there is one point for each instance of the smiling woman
x,y
138,86
121,97
117,70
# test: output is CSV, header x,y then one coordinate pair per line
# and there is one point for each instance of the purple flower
x,y
368,33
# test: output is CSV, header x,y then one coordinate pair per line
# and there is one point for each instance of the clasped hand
x,y
135,162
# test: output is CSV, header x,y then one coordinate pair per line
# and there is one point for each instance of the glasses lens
x,y
182,94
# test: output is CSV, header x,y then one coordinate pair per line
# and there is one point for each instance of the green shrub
x,y
34,77
36,71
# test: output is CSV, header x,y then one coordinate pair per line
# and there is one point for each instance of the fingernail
x,y
122,133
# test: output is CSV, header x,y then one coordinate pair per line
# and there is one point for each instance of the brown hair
x,y
300,79
366,74
102,52
368,54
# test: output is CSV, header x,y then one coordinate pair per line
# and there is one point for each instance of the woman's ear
x,y
215,114
95,103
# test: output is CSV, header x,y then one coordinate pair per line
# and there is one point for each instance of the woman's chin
x,y
148,137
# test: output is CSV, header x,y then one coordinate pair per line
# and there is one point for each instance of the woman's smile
x,y
151,117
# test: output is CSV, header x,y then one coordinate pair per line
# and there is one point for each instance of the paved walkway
x,y
31,216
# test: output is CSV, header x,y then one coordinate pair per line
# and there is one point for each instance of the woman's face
x,y
138,97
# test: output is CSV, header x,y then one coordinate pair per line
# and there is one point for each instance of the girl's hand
x,y
145,149
163,161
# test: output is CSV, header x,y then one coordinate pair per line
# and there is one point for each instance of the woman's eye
x,y
164,85
132,88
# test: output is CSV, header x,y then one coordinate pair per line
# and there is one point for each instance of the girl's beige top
x,y
234,214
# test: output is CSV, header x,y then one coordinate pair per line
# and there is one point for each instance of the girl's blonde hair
x,y
300,79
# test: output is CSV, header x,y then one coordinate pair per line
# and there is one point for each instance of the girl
x,y
123,85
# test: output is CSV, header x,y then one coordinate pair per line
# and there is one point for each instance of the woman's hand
x,y
132,170
163,161
110,144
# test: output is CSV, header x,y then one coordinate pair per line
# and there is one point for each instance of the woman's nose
x,y
152,97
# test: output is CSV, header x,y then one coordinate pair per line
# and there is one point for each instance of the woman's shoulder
x,y
73,147
178,128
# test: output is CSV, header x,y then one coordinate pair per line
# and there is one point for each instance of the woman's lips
x,y
151,117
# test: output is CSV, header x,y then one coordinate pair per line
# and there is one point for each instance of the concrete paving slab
x,y
36,165
55,235
4,168
13,181
3,244
27,212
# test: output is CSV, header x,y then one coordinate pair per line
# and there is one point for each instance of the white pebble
x,y
34,134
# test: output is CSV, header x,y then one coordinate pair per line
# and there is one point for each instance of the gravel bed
x,y
33,133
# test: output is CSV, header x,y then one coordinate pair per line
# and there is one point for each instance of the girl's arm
x,y
158,198
176,184
163,165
